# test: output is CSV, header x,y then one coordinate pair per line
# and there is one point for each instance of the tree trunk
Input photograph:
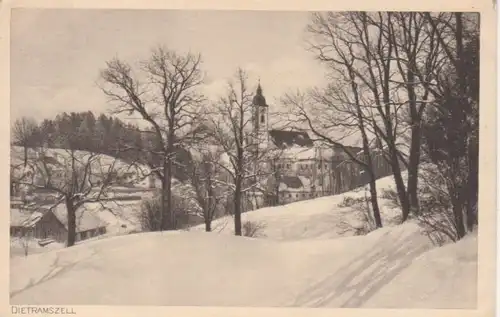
x,y
413,166
209,204
25,155
374,201
71,212
370,170
400,186
237,207
170,151
277,189
163,205
415,143
208,225
458,215
396,171
170,214
470,191
472,188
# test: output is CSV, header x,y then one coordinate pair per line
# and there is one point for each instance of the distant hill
x,y
103,134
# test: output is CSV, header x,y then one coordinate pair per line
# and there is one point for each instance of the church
x,y
304,169
299,168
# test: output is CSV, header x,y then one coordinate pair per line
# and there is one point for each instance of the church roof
x,y
291,181
259,99
283,138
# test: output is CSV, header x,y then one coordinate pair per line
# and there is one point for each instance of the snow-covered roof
x,y
283,138
23,217
215,151
295,184
291,181
85,219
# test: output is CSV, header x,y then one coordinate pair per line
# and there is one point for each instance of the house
x,y
19,172
51,223
296,168
306,168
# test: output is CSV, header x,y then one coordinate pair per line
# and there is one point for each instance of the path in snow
x,y
202,269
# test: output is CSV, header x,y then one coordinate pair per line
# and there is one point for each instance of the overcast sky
x,y
56,54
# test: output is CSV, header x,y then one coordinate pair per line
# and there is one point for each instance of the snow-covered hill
x,y
301,261
196,268
325,217
99,162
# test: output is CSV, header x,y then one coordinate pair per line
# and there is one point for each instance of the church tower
x,y
260,118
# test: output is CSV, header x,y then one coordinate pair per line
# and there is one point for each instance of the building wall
x,y
50,227
47,227
328,177
84,235
348,175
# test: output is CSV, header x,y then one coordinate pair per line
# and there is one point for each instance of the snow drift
x,y
302,259
318,218
197,269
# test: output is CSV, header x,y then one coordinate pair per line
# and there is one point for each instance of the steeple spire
x,y
258,99
259,89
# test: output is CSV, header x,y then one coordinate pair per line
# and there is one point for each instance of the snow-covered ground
x,y
120,218
303,258
392,267
325,217
19,246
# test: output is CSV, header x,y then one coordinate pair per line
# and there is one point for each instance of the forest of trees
x,y
408,84
104,134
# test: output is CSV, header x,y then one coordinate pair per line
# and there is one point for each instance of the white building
x,y
303,169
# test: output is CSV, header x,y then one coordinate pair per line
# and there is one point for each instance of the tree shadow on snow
x,y
56,269
363,277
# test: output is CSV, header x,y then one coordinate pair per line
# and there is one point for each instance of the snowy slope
x,y
18,246
99,162
324,217
449,279
196,268
304,259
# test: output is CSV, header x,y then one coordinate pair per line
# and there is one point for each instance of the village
x,y
306,171
323,169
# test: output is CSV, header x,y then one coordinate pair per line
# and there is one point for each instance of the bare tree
x,y
26,238
268,176
334,110
232,126
437,217
23,134
76,177
453,129
419,57
184,205
25,235
391,59
253,229
205,177
411,68
165,95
